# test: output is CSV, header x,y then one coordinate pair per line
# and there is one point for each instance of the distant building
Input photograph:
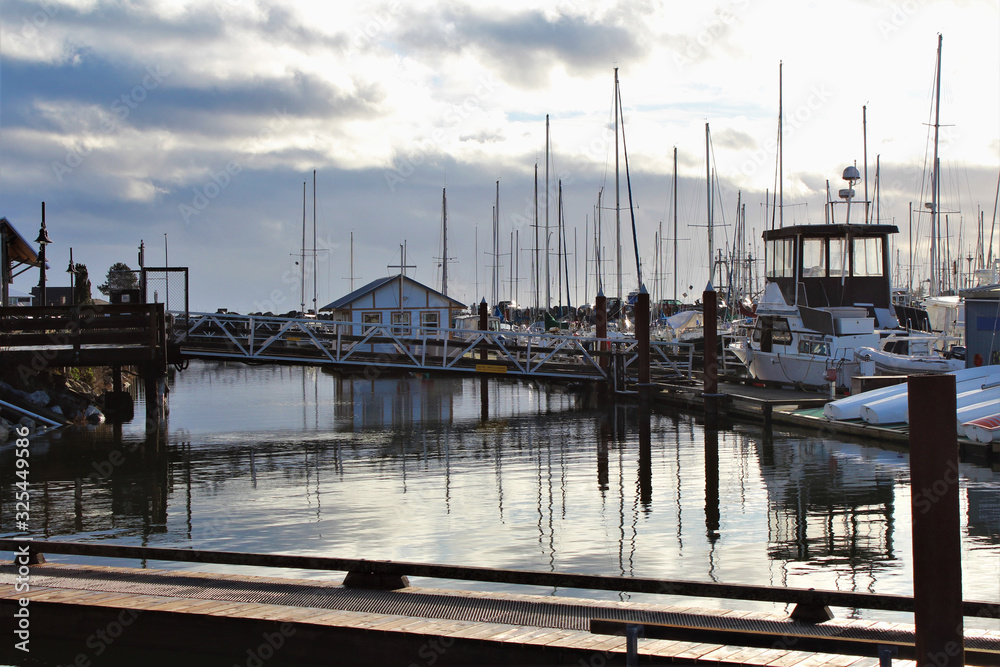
x,y
18,298
408,306
54,296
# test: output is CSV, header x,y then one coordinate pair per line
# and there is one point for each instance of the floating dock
x,y
82,614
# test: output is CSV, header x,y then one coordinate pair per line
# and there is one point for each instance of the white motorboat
x,y
888,405
912,354
827,295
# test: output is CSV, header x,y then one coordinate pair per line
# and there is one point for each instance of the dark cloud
x,y
526,47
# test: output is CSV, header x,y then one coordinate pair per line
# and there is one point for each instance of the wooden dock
x,y
85,614
800,410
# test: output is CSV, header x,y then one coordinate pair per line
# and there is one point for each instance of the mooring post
x,y
484,325
642,341
934,497
154,385
711,362
484,389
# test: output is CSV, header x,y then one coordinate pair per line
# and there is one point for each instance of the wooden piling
x,y
937,549
711,367
642,341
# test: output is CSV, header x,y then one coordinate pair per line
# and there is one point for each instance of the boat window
x,y
781,335
816,346
781,260
814,258
838,258
868,256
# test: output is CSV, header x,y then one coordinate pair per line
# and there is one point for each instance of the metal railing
x,y
316,341
385,568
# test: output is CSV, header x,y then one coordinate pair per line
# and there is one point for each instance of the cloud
x,y
527,48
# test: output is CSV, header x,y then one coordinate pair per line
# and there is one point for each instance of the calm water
x,y
292,460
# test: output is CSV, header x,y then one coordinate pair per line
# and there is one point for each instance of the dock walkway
x,y
239,618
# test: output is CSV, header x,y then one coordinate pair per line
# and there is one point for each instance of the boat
x,y
909,354
984,430
827,295
888,405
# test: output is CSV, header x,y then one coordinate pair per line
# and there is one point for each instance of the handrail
x,y
308,340
810,596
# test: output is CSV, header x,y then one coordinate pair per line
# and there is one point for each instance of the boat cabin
x,y
831,265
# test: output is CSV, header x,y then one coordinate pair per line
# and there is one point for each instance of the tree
x,y
81,286
120,277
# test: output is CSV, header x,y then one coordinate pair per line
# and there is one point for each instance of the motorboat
x,y
914,353
827,295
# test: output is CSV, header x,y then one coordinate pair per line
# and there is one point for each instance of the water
x,y
293,460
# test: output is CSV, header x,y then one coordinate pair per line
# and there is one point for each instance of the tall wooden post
x,y
711,367
642,341
937,549
601,323
484,398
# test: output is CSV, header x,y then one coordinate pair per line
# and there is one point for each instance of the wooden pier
x,y
163,616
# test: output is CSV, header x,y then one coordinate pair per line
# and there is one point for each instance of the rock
x,y
4,429
57,409
39,398
93,415
28,422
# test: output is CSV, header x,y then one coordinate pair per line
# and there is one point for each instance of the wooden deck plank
x,y
696,651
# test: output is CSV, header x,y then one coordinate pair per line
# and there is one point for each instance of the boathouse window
x,y
371,318
868,256
429,320
401,323
781,261
814,258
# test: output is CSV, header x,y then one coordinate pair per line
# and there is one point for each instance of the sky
x,y
194,128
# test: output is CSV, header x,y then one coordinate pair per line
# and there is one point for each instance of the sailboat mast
x,y
936,184
537,267
675,223
314,267
559,247
352,261
302,254
708,203
781,150
548,279
618,210
864,133
444,241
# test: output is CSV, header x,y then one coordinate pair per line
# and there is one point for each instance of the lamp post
x,y
42,241
72,279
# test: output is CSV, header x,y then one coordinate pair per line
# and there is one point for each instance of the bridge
x,y
347,345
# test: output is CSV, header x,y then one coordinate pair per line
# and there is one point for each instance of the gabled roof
x,y
348,299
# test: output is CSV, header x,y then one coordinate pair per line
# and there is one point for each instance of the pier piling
x,y
937,549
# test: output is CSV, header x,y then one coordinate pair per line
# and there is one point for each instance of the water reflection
x,y
297,461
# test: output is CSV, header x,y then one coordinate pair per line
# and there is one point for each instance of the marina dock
x,y
173,615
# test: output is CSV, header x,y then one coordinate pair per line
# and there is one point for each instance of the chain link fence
x,y
169,286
